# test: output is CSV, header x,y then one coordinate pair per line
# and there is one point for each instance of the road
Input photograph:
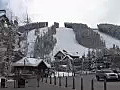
x,y
98,85
32,85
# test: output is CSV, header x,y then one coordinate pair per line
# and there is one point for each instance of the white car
x,y
106,74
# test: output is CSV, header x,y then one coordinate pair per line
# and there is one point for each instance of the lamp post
x,y
24,63
83,57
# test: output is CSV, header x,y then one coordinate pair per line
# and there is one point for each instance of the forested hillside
x,y
86,36
110,29
45,43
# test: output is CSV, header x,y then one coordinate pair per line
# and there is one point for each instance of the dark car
x,y
106,74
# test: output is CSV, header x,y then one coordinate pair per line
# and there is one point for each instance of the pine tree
x,y
44,45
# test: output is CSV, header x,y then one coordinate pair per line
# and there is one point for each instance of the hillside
x,y
86,36
31,38
109,41
110,29
66,41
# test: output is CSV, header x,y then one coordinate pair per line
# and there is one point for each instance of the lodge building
x,y
31,66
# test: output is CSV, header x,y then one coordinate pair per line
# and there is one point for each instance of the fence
x,y
71,82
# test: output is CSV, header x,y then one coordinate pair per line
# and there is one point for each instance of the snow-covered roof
x,y
48,65
30,62
1,14
64,53
63,65
68,57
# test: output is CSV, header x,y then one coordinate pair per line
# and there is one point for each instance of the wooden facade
x,y
25,67
65,61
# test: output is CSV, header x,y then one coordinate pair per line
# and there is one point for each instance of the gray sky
x,y
91,12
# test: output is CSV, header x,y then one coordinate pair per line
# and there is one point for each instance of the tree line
x,y
44,44
110,29
86,36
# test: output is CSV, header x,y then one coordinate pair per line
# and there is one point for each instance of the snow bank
x,y
31,41
62,74
66,41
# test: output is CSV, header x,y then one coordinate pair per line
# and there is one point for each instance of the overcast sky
x,y
91,12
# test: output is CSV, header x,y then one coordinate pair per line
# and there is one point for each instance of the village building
x,y
59,55
31,66
65,61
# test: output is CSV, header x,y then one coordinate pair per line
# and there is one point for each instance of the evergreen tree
x,y
44,45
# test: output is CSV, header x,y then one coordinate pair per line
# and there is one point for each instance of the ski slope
x,y
31,38
109,40
66,41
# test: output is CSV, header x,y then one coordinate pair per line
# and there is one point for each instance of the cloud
x,y
113,13
84,11
14,8
3,4
91,12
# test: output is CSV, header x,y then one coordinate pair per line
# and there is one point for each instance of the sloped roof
x,y
1,14
71,54
68,57
48,65
30,62
59,52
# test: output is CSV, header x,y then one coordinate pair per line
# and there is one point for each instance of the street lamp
x,y
83,57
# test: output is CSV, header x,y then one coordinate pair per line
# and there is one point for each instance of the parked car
x,y
106,74
117,72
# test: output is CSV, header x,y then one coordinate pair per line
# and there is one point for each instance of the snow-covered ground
x,y
31,41
70,73
31,38
66,41
109,40
62,74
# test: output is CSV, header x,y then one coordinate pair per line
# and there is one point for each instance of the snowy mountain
x,y
66,41
108,39
31,38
